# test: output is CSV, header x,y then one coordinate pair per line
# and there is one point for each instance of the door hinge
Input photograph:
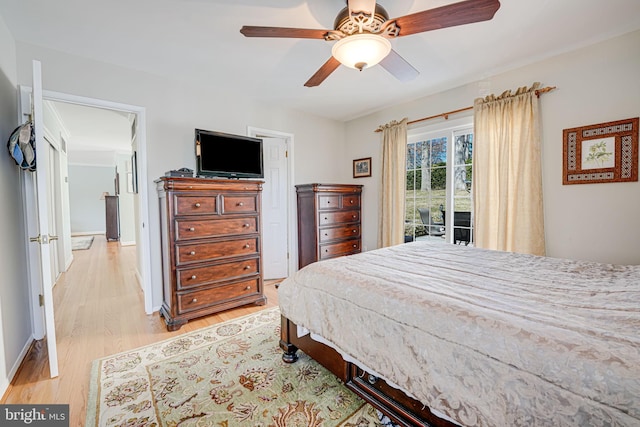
x,y
286,153
41,299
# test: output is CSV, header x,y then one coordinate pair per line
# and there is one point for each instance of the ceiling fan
x,y
362,31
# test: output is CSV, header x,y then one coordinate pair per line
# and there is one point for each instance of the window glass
x,y
438,189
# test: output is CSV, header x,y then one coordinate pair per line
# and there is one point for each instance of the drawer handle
x,y
325,218
192,253
355,246
248,267
194,300
192,229
355,231
247,246
246,225
240,204
193,277
351,201
326,250
326,234
248,288
197,205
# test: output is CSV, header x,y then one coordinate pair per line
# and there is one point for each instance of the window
x,y
438,189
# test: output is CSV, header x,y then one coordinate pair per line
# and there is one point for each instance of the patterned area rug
x,y
230,374
81,242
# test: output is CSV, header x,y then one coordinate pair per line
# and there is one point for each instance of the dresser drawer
x,y
351,201
332,202
197,299
328,218
343,232
192,277
328,202
338,249
239,204
195,205
196,252
196,229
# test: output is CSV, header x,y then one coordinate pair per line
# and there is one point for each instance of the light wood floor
x,y
99,311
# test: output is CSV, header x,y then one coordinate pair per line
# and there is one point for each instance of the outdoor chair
x,y
461,227
434,228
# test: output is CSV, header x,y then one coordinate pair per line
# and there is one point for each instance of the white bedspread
x,y
488,338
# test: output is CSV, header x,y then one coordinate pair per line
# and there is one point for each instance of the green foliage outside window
x,y
438,178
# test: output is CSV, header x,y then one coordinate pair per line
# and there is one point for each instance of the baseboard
x,y
87,233
139,279
5,383
130,243
68,264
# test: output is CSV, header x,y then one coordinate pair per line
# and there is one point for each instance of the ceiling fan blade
x,y
366,6
324,72
399,67
464,12
302,33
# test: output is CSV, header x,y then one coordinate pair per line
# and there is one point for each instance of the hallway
x,y
99,311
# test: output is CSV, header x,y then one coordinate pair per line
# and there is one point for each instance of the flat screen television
x,y
229,156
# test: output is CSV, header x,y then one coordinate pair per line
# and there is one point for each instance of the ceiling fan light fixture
x,y
361,51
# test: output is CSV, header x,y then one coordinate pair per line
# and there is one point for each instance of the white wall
x,y
86,185
594,85
15,319
125,201
174,110
57,135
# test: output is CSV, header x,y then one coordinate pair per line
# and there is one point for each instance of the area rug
x,y
225,375
81,242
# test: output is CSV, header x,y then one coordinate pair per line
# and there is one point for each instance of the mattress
x,y
487,338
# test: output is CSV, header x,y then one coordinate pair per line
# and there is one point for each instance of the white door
x,y
274,209
41,236
51,202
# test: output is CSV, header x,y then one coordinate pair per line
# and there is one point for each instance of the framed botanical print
x,y
606,152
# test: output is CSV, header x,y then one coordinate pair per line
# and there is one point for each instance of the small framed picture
x,y
362,167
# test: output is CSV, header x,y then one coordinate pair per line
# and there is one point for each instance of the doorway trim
x,y
142,221
292,230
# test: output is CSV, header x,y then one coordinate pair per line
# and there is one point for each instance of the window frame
x,y
449,128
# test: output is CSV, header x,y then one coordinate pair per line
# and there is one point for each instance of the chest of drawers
x,y
211,246
328,221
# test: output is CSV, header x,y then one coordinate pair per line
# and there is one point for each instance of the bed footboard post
x,y
289,349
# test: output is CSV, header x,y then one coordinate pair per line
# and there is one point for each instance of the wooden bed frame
x,y
401,409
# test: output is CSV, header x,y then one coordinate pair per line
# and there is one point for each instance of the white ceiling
x,y
94,136
198,41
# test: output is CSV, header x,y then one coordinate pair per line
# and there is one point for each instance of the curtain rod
x,y
446,115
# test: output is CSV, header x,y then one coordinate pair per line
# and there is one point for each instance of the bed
x,y
454,335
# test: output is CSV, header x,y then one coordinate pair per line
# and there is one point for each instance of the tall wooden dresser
x,y
328,221
112,218
211,246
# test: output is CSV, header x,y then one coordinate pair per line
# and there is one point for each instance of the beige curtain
x,y
507,177
391,212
